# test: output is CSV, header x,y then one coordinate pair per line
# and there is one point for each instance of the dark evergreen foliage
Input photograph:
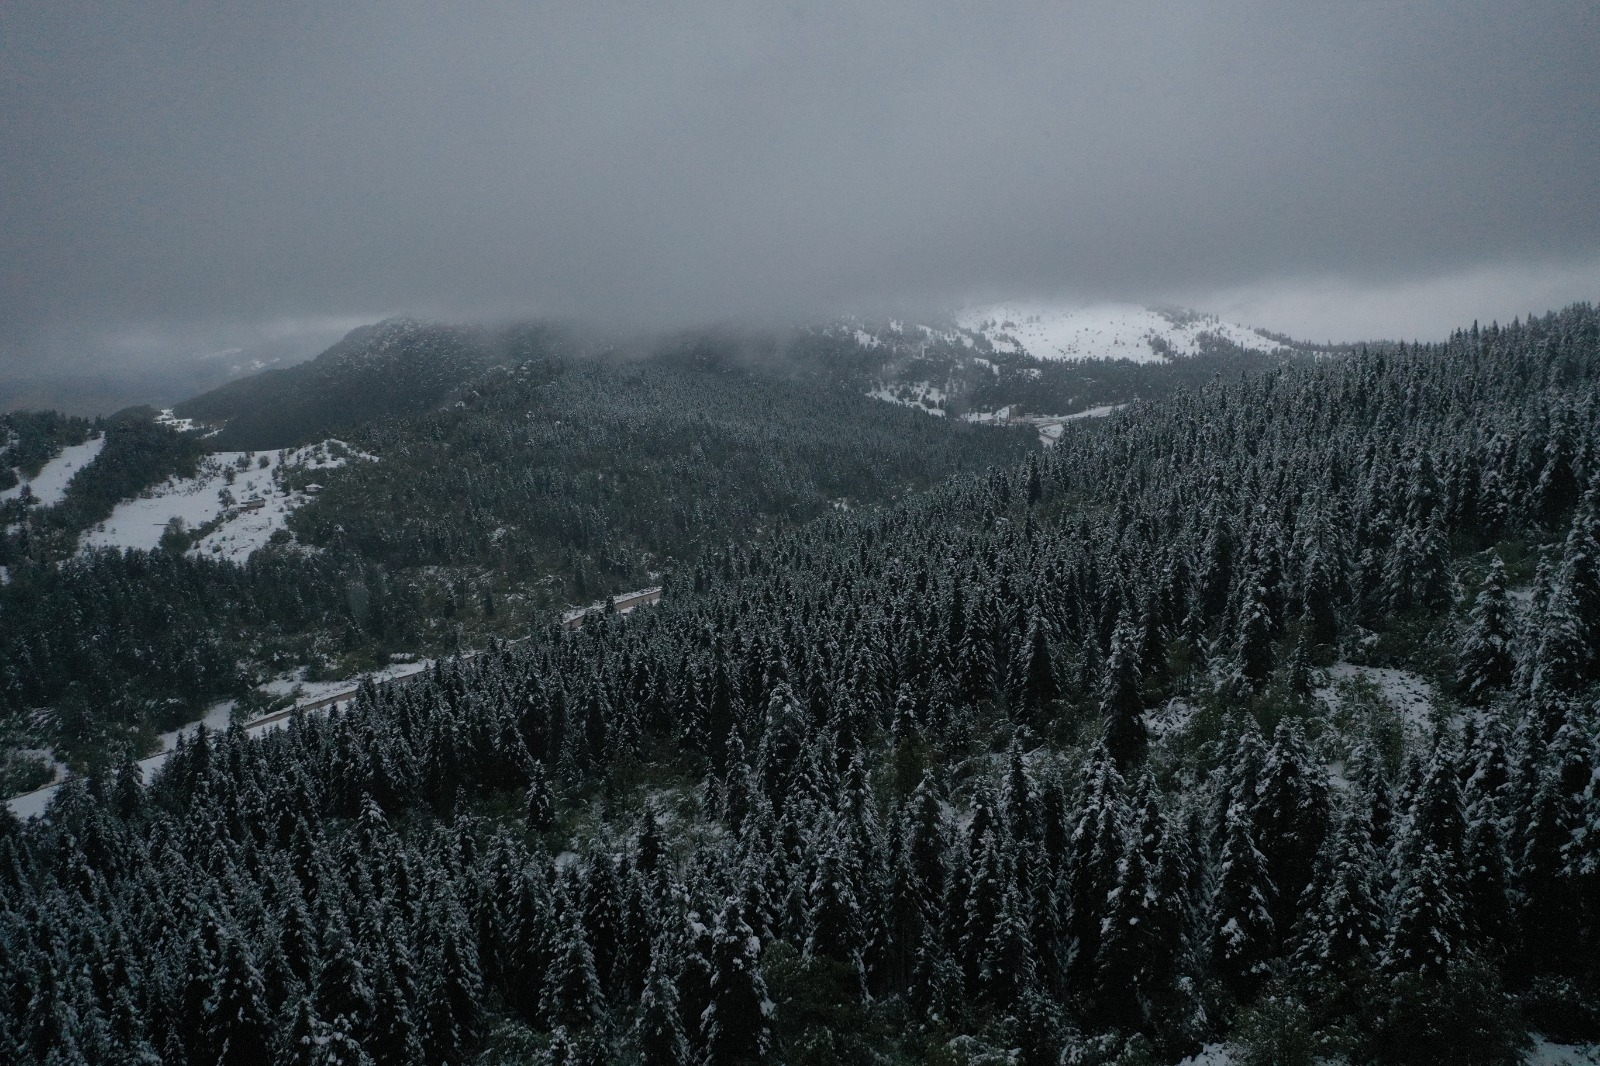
x,y
865,833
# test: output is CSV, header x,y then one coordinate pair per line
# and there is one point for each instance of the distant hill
x,y
1037,360
1109,331
395,368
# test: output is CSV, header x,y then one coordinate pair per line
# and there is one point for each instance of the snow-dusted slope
x,y
198,501
50,487
1109,331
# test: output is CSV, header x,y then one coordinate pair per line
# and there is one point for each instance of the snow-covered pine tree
x,y
1123,977
1094,857
736,1024
1340,930
1243,933
1120,699
572,996
1487,649
1427,932
1291,820
658,1031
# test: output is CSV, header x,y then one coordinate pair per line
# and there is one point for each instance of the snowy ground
x,y
1546,1053
1002,414
918,392
637,595
1171,717
1095,412
1409,694
139,523
219,715
1542,1053
172,421
1050,426
1110,331
50,487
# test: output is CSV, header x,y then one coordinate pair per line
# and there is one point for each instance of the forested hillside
x,y
553,482
394,368
1037,766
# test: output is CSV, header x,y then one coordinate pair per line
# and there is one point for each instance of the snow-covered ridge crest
x,y
1105,331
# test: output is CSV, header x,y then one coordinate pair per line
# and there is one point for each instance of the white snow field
x,y
50,487
139,523
1543,1052
1411,696
1107,331
918,392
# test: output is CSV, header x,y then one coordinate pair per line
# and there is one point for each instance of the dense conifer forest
x,y
541,484
1030,767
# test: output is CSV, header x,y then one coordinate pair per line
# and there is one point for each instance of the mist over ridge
x,y
185,182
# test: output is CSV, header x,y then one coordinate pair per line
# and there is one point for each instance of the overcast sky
x,y
173,174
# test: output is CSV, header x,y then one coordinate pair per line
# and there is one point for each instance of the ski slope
x,y
1108,331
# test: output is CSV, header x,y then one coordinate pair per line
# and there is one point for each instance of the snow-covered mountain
x,y
1107,331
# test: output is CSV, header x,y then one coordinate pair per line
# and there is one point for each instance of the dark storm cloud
x,y
181,164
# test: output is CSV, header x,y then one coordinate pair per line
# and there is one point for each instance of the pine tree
x,y
1007,969
834,927
1243,932
1428,929
658,1028
1094,858
1488,661
344,996
736,1024
601,914
1016,798
1121,702
537,803
926,848
1123,978
240,1021
1254,634
1485,894
1291,819
1340,930
1558,851
1039,687
1168,915
312,1042
572,993
987,883
1561,654
452,989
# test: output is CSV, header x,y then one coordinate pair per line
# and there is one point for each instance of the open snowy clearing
x,y
1050,426
1547,1053
918,392
1543,1052
50,487
1110,331
165,417
1412,697
197,501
